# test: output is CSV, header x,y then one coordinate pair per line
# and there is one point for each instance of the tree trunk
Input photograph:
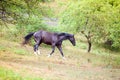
x,y
89,45
88,36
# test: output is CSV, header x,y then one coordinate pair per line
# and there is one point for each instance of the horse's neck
x,y
61,38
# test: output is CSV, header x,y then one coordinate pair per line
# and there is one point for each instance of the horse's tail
x,y
27,38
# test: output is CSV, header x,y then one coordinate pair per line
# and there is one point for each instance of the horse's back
x,y
38,33
46,37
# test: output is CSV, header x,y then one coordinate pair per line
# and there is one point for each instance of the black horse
x,y
53,39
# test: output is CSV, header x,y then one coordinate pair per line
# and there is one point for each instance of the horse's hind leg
x,y
36,51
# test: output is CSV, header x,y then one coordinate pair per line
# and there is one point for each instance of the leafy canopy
x,y
101,17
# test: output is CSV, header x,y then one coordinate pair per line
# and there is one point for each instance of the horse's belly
x,y
46,41
49,43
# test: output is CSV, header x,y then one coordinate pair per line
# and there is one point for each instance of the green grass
x,y
23,66
12,47
81,45
2,48
19,51
6,74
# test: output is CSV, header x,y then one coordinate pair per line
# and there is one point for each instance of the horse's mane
x,y
61,34
64,34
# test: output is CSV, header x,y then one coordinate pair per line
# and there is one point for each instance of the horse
x,y
50,38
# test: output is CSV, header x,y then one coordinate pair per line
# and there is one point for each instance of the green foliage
x,y
20,10
115,36
26,15
114,27
33,23
101,17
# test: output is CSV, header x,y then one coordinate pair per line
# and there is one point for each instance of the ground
x,y
78,65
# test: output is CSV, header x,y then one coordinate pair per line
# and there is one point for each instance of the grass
x,y
97,56
110,58
7,74
18,64
2,48
20,51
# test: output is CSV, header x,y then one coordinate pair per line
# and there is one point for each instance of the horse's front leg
x,y
60,49
53,49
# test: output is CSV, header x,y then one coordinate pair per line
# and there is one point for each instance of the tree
x,y
88,37
21,11
103,19
26,15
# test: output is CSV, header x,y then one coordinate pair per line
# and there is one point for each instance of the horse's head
x,y
72,39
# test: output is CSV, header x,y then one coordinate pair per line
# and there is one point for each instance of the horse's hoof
x,y
35,53
48,55
38,52
64,58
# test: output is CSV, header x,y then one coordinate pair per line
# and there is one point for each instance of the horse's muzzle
x,y
74,44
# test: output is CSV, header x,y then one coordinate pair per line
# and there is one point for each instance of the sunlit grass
x,y
2,48
20,51
7,74
79,52
17,57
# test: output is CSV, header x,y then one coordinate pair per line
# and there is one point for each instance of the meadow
x,y
19,63
97,19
